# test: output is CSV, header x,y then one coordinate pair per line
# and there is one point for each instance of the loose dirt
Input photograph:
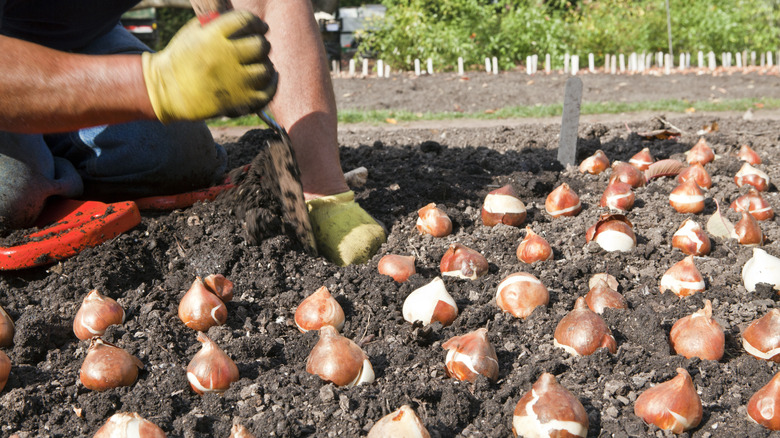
x,y
149,269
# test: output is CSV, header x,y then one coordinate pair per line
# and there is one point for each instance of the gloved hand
x,y
345,233
220,68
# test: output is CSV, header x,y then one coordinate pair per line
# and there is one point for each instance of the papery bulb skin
x,y
200,309
219,286
748,231
549,410
5,369
239,431
749,175
339,360
764,405
434,221
470,355
700,153
430,303
318,309
698,335
691,239
503,206
463,262
627,173
761,268
402,422
698,174
746,153
755,204
96,314
687,198
612,232
683,278
595,164
534,248
7,329
673,405
665,167
520,293
601,297
761,339
611,281
128,425
618,196
562,201
642,159
399,267
108,366
211,370
582,331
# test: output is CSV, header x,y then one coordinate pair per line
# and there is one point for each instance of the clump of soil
x,y
148,269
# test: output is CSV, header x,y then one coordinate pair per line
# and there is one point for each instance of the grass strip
x,y
533,111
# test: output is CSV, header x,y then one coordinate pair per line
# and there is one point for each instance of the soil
x,y
149,268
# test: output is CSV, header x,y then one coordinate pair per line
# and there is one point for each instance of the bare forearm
x,y
43,90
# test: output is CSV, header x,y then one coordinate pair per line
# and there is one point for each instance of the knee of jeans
x,y
191,158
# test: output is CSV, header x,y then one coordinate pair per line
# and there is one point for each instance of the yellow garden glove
x,y
344,232
220,68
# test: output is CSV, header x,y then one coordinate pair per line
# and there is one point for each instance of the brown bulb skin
x,y
761,339
219,286
399,267
520,293
755,204
627,173
601,297
108,366
698,174
642,159
764,405
562,201
698,335
534,248
746,153
463,262
700,153
200,309
549,410
129,424
687,198
683,278
211,370
678,396
618,196
612,232
503,206
434,221
595,164
748,231
7,329
335,358
96,314
469,353
318,309
5,369
691,239
582,331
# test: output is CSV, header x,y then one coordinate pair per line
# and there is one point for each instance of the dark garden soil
x,y
149,268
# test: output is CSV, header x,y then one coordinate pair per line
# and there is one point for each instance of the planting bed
x,y
149,268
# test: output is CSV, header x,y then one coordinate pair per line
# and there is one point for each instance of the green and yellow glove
x,y
220,68
345,233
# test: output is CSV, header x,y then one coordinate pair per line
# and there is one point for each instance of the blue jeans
x,y
110,162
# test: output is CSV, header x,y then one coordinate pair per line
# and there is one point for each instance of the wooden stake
x,y
365,67
495,65
430,66
487,65
622,62
352,67
547,63
570,120
416,67
460,66
380,68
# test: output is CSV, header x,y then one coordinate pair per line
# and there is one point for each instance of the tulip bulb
x,y
618,196
470,355
239,431
200,309
698,335
747,231
761,268
753,203
128,425
673,405
219,286
463,262
520,293
318,309
627,173
96,314
108,366
5,369
687,198
601,297
698,174
7,329
211,370
746,153
749,175
402,422
339,360
503,206
764,405
611,281
397,266
430,303
691,239
595,164
562,201
682,278
549,410
761,339
582,331
642,159
612,232
434,221
533,248
700,153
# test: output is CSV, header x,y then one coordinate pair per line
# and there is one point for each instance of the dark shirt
x,y
62,25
